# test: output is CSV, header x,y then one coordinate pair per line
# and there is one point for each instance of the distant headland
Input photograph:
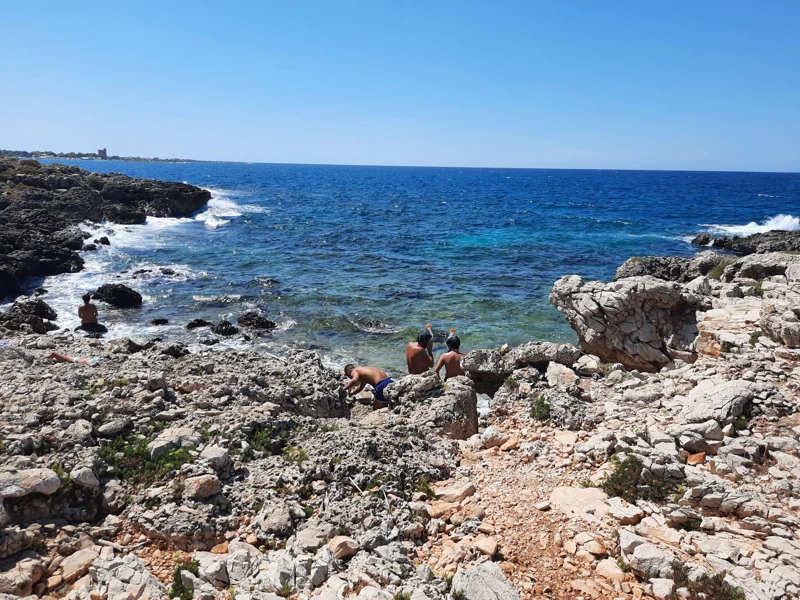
x,y
101,154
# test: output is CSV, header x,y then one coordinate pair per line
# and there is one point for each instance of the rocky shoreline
x,y
41,207
659,459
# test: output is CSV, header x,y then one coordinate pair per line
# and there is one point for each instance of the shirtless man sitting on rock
x,y
88,314
451,361
419,354
361,376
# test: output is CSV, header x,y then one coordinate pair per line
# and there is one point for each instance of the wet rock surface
x,y
41,206
757,243
118,295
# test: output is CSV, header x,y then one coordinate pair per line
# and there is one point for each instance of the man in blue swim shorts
x,y
361,376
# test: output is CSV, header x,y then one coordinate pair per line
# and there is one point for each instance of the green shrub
x,y
178,590
740,422
402,596
95,182
130,459
270,439
540,409
285,590
632,482
295,454
705,587
424,486
510,382
716,271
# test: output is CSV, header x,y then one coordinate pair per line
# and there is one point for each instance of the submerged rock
x,y
225,328
255,319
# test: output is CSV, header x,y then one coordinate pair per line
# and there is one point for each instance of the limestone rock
x,y
576,499
485,581
455,492
202,486
115,427
670,268
75,565
648,560
626,514
451,407
641,322
761,266
721,401
85,477
781,322
16,484
609,569
492,437
343,546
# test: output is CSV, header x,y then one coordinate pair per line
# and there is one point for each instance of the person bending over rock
x,y
419,354
451,361
88,314
361,376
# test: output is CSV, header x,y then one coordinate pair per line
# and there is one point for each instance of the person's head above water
x,y
349,369
86,298
453,342
424,337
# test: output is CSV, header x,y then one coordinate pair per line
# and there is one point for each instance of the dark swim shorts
x,y
379,390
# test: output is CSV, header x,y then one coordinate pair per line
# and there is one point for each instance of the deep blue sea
x,y
353,261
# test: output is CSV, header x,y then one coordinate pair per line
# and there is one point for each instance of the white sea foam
x,y
778,222
221,209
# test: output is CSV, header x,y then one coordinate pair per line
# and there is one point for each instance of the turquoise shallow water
x,y
352,261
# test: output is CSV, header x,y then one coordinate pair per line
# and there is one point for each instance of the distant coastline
x,y
48,155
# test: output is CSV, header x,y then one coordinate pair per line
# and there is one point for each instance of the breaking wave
x,y
778,222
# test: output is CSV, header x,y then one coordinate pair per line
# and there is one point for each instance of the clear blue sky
x,y
636,84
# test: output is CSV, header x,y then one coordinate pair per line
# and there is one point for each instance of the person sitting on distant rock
x,y
88,314
419,354
361,376
451,361
63,358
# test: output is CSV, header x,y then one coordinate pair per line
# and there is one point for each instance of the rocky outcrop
x,y
29,312
255,319
450,407
781,322
41,206
670,268
225,329
641,322
758,243
484,582
760,266
489,367
719,400
118,295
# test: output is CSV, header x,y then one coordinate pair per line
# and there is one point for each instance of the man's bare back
x,y
88,314
367,375
419,354
451,361
361,376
